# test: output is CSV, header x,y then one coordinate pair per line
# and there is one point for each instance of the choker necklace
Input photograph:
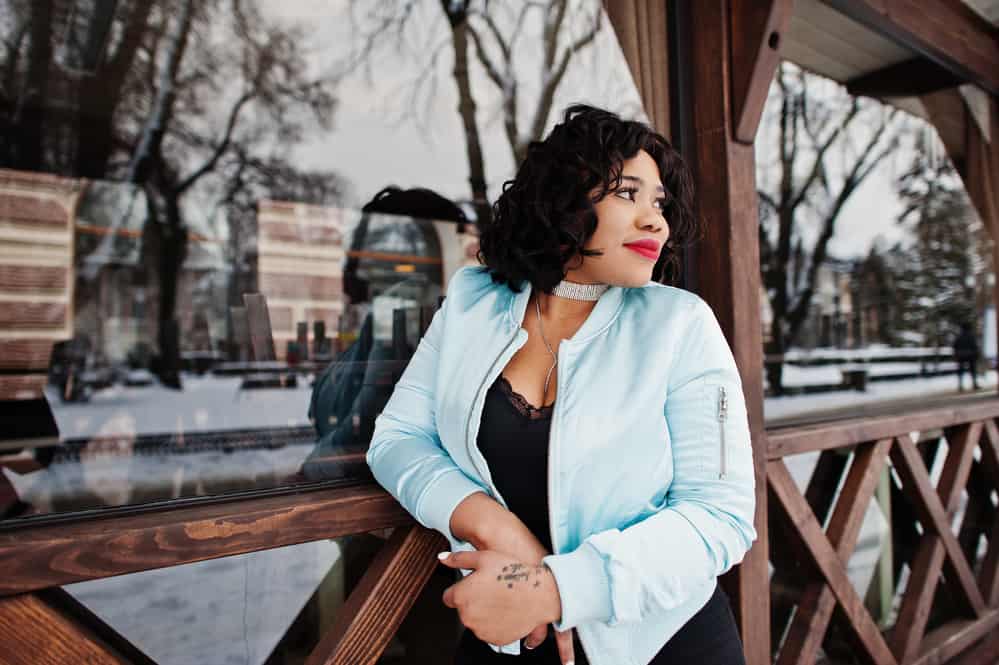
x,y
575,291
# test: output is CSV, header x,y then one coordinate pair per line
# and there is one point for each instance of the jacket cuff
x,y
583,586
441,497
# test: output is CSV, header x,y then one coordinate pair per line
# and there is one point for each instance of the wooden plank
x,y
22,386
376,607
815,609
32,315
259,323
46,637
37,557
911,78
932,515
26,354
989,573
827,562
938,30
726,272
757,31
953,638
61,601
797,440
985,652
819,494
928,563
33,279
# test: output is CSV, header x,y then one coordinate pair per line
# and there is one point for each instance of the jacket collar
x,y
604,313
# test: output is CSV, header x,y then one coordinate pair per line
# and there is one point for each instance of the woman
x,y
576,430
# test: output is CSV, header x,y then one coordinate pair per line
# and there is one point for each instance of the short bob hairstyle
x,y
545,214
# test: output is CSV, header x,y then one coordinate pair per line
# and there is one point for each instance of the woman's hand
x,y
503,599
487,525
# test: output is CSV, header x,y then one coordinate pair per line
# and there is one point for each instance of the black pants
x,y
709,638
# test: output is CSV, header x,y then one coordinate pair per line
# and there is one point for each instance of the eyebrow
x,y
641,183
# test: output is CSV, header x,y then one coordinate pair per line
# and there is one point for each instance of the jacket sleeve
x,y
406,455
705,525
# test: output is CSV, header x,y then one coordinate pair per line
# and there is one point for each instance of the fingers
x,y
536,636
565,651
448,596
466,560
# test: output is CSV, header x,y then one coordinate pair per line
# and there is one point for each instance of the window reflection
x,y
170,171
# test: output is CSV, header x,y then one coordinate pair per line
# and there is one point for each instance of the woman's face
x,y
631,230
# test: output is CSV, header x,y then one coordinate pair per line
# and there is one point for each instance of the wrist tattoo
x,y
518,573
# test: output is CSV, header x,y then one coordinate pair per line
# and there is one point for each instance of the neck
x,y
563,309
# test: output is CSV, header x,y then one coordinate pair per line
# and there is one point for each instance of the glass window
x,y
164,161
877,272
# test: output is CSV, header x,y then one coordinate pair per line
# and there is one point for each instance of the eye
x,y
627,193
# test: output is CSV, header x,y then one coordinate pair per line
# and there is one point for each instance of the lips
x,y
647,247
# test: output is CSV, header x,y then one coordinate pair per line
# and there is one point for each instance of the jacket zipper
x,y
470,445
722,415
552,444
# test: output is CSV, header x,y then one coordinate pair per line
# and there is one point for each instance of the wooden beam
x,y
827,562
43,636
757,30
38,557
842,433
818,601
919,76
381,600
933,517
939,30
955,637
727,271
916,604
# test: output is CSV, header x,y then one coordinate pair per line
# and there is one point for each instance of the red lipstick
x,y
646,247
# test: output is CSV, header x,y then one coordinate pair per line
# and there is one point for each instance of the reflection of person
x,y
577,431
966,355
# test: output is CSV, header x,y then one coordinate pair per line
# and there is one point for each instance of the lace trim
x,y
521,404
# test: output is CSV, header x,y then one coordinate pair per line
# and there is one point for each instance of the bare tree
x,y
811,188
198,103
490,34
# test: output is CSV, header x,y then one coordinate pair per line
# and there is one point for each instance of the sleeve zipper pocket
x,y
722,415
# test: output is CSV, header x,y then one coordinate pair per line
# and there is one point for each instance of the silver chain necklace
x,y
541,326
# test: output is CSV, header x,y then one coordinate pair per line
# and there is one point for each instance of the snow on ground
x,y
206,403
877,391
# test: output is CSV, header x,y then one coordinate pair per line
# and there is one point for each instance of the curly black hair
x,y
545,215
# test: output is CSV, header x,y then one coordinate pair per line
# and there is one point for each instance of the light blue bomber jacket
x,y
650,478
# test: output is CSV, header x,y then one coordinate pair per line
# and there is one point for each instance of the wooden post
x,y
727,269
303,340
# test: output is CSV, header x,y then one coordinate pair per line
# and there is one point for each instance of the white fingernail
x,y
571,662
443,555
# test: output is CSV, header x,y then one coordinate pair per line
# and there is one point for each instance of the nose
x,y
651,220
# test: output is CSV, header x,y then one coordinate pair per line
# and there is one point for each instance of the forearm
x,y
487,525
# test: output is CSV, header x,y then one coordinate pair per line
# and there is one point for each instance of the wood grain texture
x,y
916,482
22,386
928,564
46,637
940,30
33,279
38,557
376,607
801,647
727,272
954,638
26,354
826,560
758,29
32,315
827,436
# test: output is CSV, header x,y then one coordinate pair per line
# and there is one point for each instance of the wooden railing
x,y
810,561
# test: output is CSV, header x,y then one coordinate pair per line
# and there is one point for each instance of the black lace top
x,y
513,437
